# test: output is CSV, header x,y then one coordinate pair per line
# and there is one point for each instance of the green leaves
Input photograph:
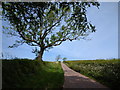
x,y
73,28
28,36
53,37
60,35
5,27
92,27
51,14
63,27
47,41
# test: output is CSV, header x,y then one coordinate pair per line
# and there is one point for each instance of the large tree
x,y
47,24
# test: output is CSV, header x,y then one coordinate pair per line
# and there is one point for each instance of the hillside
x,y
23,73
106,72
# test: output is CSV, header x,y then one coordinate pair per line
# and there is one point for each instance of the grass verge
x,y
23,73
106,72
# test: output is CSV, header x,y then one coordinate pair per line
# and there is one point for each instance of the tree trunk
x,y
39,57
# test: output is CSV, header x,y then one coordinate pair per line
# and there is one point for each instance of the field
x,y
31,74
106,72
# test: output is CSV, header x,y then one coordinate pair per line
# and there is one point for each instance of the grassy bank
x,y
31,74
106,72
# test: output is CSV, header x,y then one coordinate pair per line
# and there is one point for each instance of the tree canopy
x,y
47,24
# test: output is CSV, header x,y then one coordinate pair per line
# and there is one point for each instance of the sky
x,y
103,43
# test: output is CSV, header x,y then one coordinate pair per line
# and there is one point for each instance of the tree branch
x,y
48,30
27,39
55,43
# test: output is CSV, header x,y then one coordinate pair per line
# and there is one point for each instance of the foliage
x,y
58,58
7,55
105,71
24,73
64,59
47,24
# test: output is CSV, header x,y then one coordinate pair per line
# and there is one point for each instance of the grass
x,y
24,73
106,72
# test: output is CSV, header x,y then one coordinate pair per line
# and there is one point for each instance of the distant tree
x,y
47,24
64,59
58,58
6,55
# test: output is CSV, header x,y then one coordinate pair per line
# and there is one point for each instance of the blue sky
x,y
103,43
